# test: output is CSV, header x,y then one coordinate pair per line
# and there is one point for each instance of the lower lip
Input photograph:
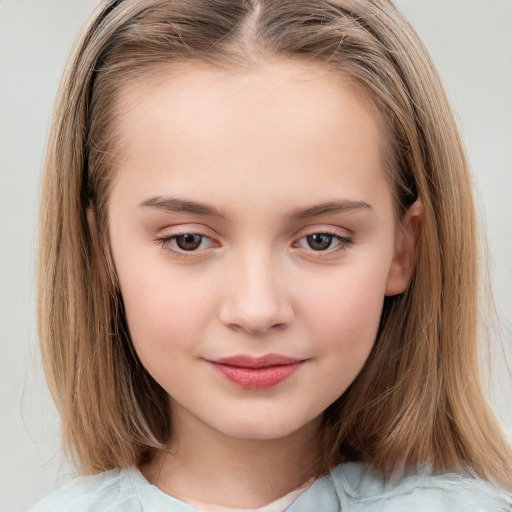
x,y
257,378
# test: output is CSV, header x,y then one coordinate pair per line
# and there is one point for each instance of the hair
x,y
419,398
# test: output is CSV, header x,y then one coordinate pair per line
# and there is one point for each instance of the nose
x,y
256,298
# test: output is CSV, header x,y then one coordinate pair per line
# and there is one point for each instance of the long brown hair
x,y
418,400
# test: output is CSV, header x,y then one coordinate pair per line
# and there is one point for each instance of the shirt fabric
x,y
348,488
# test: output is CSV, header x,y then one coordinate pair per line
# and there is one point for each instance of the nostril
x,y
256,299
254,329
237,318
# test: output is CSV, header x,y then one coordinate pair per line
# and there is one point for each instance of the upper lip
x,y
246,361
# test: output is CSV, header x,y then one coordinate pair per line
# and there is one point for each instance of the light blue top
x,y
349,488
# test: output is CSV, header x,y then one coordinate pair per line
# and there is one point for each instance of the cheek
x,y
344,317
164,313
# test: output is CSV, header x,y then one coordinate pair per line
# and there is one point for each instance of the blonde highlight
x,y
418,399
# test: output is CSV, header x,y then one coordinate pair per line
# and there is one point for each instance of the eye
x,y
319,242
185,242
189,241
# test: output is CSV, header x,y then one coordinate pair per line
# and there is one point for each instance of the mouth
x,y
256,373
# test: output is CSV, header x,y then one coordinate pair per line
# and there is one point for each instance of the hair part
x,y
418,400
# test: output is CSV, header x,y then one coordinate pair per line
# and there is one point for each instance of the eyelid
x,y
172,232
325,228
344,237
187,229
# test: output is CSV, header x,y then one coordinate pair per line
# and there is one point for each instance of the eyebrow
x,y
175,204
329,207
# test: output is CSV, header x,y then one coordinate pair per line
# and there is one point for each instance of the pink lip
x,y
256,372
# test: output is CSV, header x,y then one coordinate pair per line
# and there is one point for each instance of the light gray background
x,y
471,41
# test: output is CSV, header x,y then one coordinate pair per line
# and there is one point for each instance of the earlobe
x,y
401,268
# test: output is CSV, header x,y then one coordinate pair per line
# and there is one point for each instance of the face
x,y
252,229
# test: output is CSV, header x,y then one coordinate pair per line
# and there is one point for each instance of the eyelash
x,y
343,241
165,243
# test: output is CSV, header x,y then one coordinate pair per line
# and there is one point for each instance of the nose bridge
x,y
256,297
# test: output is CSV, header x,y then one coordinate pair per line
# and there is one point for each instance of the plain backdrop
x,y
473,48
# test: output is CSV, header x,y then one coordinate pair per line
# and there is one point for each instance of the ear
x,y
408,233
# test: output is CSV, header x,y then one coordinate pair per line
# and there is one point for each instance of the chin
x,y
263,429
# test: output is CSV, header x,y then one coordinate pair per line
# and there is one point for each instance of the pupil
x,y
188,242
319,241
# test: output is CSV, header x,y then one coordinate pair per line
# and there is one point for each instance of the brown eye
x,y
319,241
189,241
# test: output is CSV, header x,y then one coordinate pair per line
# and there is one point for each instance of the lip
x,y
256,373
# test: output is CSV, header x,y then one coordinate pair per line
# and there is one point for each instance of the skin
x,y
257,146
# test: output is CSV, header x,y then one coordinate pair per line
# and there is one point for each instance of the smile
x,y
256,373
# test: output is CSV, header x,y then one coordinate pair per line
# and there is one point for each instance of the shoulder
x,y
422,491
109,491
118,490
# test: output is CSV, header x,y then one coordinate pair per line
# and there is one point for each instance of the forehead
x,y
277,89
280,126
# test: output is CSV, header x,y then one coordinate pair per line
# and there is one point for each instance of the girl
x,y
258,266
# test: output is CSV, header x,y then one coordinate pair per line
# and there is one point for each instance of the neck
x,y
206,466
